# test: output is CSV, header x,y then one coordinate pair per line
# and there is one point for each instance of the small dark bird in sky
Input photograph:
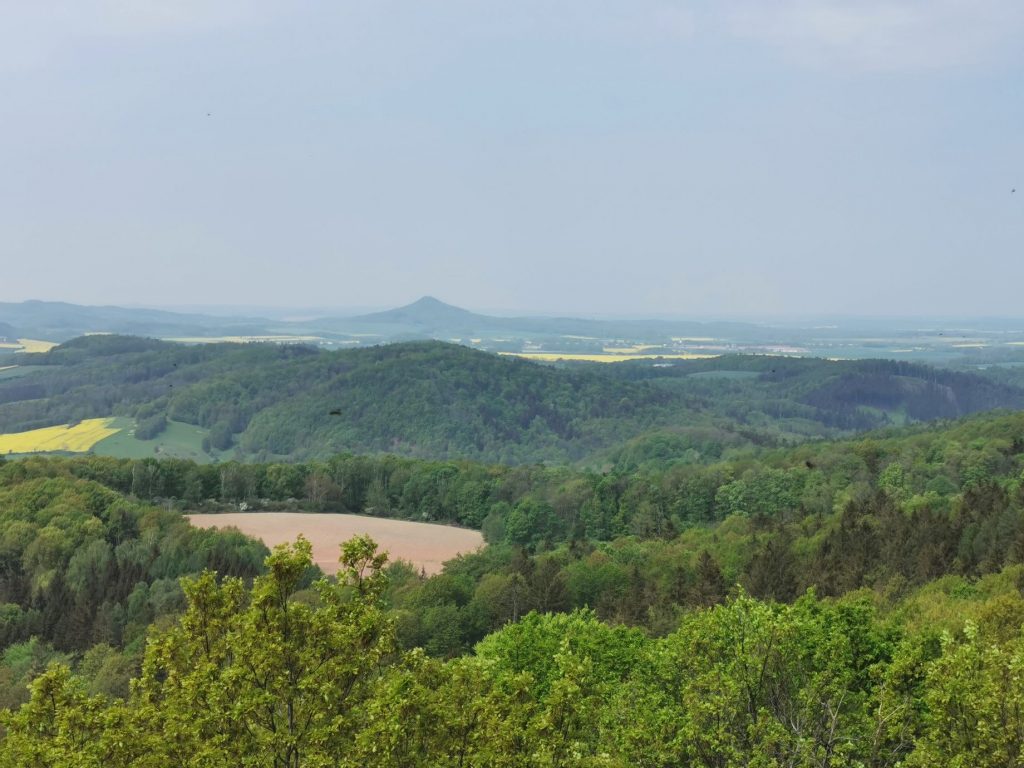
x,y
1013,190
336,412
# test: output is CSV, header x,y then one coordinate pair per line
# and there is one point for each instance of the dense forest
x,y
442,401
703,586
849,602
280,675
85,569
640,545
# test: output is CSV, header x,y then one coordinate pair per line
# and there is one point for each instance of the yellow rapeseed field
x,y
36,345
550,357
29,345
77,439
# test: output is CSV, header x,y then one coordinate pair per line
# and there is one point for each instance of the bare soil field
x,y
425,545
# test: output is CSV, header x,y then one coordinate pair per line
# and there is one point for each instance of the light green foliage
x,y
769,492
315,676
755,684
974,703
60,727
275,677
893,481
256,677
243,674
534,644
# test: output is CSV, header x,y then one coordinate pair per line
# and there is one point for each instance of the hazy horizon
x,y
826,158
300,313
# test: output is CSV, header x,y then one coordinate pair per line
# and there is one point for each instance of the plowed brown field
x,y
425,545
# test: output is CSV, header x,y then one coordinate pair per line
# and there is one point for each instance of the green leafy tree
x,y
974,699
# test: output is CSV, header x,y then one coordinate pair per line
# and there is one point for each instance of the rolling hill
x,y
437,400
59,321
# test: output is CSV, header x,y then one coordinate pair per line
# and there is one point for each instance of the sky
x,y
692,158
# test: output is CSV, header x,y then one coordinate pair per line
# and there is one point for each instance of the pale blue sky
x,y
587,156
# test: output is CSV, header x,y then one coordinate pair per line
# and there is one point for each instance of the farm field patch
x,y
77,439
550,357
633,350
36,345
247,339
178,441
27,345
425,545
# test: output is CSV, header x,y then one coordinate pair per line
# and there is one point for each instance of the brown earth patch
x,y
425,545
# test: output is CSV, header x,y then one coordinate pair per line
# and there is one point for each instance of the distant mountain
x,y
431,318
427,312
58,321
427,318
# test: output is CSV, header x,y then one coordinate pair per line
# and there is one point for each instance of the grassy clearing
x,y
17,371
551,357
77,439
179,441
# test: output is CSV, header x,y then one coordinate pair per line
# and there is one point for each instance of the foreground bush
x,y
281,676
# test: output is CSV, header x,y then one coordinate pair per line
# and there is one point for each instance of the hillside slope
x,y
437,400
422,399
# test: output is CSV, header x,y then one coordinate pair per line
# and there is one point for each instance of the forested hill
x,y
849,394
437,400
420,399
858,599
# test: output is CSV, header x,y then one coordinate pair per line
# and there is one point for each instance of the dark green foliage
x,y
842,394
266,676
150,427
81,565
833,517
436,400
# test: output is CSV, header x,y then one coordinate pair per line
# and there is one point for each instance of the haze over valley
x,y
924,339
